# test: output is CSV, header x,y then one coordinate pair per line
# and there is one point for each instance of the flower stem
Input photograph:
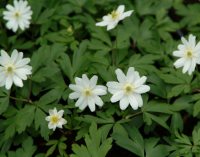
x,y
20,99
133,115
114,48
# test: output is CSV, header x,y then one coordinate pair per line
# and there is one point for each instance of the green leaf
x,y
4,103
196,109
66,66
53,95
95,145
129,139
158,120
154,106
41,123
143,63
152,147
24,118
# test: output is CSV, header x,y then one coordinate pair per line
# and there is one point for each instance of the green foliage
x,y
63,43
97,145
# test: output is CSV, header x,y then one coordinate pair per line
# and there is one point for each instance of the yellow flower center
x,y
128,88
17,14
9,69
54,119
189,54
114,14
87,92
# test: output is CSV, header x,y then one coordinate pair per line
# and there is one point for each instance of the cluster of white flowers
x,y
128,89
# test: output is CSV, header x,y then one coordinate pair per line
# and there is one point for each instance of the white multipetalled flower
x,y
13,69
111,20
129,89
18,16
55,119
87,92
189,53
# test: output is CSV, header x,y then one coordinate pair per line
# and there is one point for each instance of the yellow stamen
x,y
9,69
87,92
54,119
17,14
189,54
128,88
114,14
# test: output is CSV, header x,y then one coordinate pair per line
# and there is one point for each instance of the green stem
x,y
114,48
21,99
133,115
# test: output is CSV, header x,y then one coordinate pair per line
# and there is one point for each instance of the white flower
x,y
189,53
112,19
129,89
55,119
87,92
13,69
18,16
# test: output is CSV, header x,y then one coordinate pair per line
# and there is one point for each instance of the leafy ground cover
x,y
63,42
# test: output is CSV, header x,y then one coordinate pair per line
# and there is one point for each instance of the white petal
x,y
197,48
83,105
140,81
85,81
79,101
112,25
138,97
185,42
98,101
22,72
53,111
120,76
93,81
113,84
186,66
5,58
102,23
192,40
52,126
22,62
178,53
75,87
126,14
9,82
142,89
182,47
91,104
14,56
192,67
100,90
130,74
180,62
48,118
78,81
17,81
63,121
133,102
117,96
74,95
123,103
120,9
60,113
